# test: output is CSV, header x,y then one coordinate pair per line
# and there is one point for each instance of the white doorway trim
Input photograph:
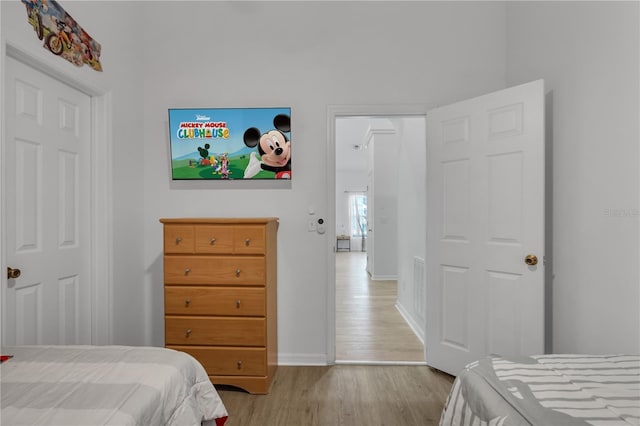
x,y
101,199
334,112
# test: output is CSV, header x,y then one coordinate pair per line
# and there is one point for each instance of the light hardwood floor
x,y
369,327
343,395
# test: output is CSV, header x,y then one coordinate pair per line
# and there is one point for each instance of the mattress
x,y
105,385
547,390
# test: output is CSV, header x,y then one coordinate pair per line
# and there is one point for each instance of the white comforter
x,y
105,385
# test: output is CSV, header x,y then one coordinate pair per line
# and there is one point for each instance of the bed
x,y
546,390
105,385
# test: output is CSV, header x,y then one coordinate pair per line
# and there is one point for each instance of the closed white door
x,y
485,228
47,177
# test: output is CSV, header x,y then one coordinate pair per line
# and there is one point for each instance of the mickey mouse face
x,y
275,149
273,146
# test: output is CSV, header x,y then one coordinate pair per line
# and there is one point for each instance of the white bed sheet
x,y
106,385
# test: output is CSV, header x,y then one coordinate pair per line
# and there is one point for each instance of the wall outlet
x,y
311,225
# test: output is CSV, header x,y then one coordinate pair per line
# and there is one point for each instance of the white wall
x,y
115,26
382,204
412,227
303,55
588,54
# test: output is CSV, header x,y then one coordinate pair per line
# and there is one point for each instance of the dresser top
x,y
215,220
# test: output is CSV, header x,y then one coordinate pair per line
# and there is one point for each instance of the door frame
x,y
334,112
101,215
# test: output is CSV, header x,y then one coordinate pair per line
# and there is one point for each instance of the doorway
x,y
510,197
377,319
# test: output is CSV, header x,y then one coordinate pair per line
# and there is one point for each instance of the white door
x,y
485,215
47,206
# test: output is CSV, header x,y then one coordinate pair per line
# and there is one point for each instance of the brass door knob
x,y
531,260
13,273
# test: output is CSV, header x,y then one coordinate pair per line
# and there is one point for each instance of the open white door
x,y
485,224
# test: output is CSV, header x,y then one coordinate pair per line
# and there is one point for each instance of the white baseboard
x,y
415,327
302,359
384,277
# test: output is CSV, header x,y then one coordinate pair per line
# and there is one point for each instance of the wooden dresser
x,y
220,297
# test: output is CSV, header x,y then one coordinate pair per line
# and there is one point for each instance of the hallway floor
x,y
369,328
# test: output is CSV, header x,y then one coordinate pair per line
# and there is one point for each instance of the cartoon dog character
x,y
274,148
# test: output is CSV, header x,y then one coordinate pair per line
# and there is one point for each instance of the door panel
x,y
47,168
485,213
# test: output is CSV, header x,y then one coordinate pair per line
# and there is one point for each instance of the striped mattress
x,y
547,390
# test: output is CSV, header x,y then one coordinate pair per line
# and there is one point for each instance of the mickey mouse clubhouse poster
x,y
230,143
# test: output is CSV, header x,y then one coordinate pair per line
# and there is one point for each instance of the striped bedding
x,y
547,390
105,385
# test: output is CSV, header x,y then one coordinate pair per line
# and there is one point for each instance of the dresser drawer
x,y
214,239
231,270
249,240
225,331
229,361
178,238
220,301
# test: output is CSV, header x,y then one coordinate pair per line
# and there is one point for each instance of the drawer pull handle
x,y
186,271
188,332
187,302
247,242
237,272
178,240
238,303
239,363
212,241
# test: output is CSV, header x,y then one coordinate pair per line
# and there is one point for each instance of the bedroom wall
x,y
115,26
307,55
588,54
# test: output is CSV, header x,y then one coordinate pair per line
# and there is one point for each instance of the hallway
x,y
369,328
